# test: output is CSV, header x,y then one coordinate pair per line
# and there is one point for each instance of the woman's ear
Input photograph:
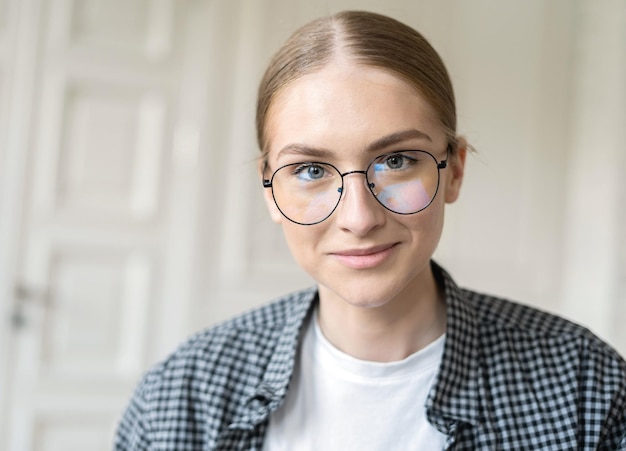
x,y
267,194
275,214
456,166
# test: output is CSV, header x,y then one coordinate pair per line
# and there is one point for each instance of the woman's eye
x,y
396,161
309,172
315,172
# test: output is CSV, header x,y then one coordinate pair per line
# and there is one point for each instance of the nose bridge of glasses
x,y
368,184
353,172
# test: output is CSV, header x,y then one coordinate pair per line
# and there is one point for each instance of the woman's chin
x,y
363,296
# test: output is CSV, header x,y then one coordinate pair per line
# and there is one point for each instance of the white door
x,y
101,132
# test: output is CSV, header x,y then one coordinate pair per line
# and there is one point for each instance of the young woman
x,y
356,124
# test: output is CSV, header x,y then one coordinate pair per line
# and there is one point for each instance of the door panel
x,y
96,294
106,142
72,432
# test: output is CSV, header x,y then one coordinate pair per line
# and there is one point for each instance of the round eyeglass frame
x,y
268,183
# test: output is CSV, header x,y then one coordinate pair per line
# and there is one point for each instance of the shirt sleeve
x,y
132,431
604,399
617,439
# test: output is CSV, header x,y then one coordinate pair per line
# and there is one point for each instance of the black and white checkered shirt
x,y
511,378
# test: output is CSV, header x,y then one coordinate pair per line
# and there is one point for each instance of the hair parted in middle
x,y
367,38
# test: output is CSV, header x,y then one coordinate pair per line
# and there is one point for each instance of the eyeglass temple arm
x,y
266,182
443,163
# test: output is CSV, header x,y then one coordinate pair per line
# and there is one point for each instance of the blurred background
x,y
131,212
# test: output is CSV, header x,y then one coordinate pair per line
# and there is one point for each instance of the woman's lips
x,y
365,258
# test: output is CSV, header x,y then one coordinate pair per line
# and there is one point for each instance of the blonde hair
x,y
370,39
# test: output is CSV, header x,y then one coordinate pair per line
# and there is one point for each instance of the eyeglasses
x,y
404,182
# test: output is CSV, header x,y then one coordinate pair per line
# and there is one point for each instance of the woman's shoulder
x,y
546,375
245,341
523,322
550,350
207,380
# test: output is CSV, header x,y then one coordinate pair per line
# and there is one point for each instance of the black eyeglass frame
x,y
268,183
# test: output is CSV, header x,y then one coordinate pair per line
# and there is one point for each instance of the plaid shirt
x,y
511,378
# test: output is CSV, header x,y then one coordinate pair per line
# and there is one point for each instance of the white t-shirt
x,y
337,402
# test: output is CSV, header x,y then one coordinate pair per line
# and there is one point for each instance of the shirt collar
x,y
455,393
281,365
272,389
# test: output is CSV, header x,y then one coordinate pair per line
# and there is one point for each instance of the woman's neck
x,y
391,332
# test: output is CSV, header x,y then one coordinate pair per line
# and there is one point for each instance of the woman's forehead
x,y
348,104
341,71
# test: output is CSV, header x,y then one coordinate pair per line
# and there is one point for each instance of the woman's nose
x,y
358,212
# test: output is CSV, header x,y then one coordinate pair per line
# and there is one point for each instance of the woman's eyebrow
x,y
303,149
379,144
397,137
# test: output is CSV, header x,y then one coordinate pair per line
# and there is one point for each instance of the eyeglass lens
x,y
402,182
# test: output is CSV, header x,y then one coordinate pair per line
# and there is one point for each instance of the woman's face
x,y
347,114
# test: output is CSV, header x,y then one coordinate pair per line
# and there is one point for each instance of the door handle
x,y
25,294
